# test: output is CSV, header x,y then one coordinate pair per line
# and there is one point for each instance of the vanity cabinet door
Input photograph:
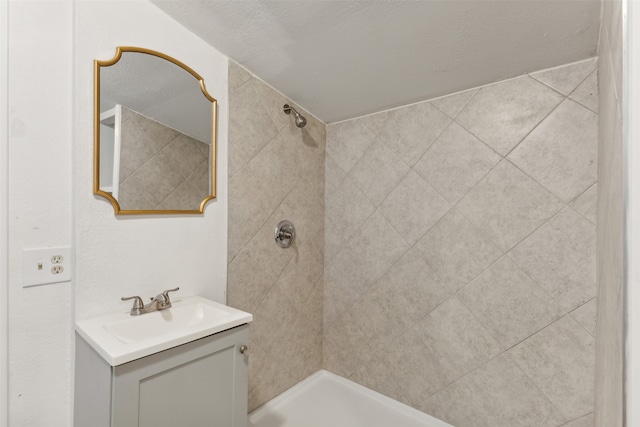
x,y
202,383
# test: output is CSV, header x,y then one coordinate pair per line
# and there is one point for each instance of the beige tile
x,y
281,163
409,131
368,255
456,250
496,394
271,102
451,105
378,246
347,208
586,315
347,142
302,347
273,320
314,134
263,374
456,162
586,421
406,293
348,347
346,280
249,207
560,361
141,139
133,194
378,172
413,207
154,181
191,192
444,346
184,153
566,78
561,258
305,268
586,204
561,153
376,375
268,376
508,303
501,115
250,127
238,75
507,205
333,306
303,208
333,174
255,270
375,122
587,93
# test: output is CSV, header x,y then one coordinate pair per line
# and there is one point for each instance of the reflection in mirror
x,y
154,134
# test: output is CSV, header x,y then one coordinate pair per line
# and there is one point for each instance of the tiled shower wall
x,y
276,172
609,348
460,251
160,167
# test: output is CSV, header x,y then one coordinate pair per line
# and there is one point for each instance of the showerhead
x,y
300,120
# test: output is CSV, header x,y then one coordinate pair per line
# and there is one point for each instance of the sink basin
x,y
120,338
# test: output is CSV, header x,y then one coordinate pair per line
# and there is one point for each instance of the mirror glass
x,y
155,134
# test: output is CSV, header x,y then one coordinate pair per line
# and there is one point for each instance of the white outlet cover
x,y
36,266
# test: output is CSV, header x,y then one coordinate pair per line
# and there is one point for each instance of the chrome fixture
x,y
285,234
159,302
300,120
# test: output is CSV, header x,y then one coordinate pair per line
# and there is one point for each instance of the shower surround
x,y
458,241
460,251
276,172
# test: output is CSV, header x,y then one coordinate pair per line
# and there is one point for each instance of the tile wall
x,y
160,168
276,172
460,238
609,398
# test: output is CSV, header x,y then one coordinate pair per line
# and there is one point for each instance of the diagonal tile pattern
x,y
441,240
277,172
561,153
501,115
459,252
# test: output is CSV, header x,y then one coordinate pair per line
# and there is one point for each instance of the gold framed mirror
x,y
154,134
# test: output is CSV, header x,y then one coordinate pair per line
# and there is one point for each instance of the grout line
x,y
564,98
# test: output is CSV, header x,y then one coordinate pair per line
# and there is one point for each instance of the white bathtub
x,y
327,400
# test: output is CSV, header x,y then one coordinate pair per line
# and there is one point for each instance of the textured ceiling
x,y
344,59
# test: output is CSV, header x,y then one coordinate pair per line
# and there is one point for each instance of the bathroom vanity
x,y
201,382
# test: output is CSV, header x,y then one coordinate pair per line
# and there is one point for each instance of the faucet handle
x,y
138,305
166,295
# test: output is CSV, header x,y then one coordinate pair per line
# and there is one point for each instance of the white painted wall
x,y
123,256
51,52
40,208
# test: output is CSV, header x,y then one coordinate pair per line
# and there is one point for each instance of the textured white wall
x,y
51,53
40,208
142,255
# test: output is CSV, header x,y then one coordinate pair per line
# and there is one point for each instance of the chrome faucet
x,y
159,302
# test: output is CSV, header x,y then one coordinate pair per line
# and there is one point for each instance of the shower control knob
x,y
285,234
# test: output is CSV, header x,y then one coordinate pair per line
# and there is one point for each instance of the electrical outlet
x,y
46,265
